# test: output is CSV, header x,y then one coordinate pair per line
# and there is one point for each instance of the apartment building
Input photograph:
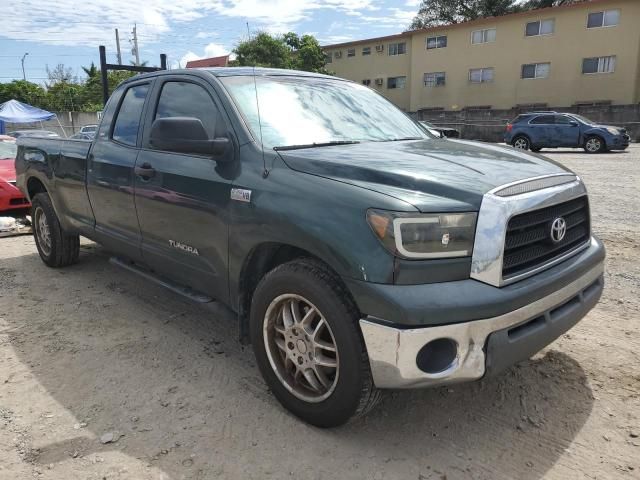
x,y
581,53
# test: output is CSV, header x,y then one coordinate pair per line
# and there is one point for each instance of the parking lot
x,y
104,375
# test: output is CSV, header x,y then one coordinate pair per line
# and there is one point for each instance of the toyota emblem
x,y
558,229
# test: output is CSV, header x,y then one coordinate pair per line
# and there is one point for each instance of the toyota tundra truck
x,y
358,252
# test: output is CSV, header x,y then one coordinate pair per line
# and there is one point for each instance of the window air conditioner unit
x,y
379,48
379,81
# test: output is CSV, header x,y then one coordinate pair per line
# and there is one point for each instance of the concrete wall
x,y
570,42
71,121
489,125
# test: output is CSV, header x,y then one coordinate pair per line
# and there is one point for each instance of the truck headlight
x,y
434,235
613,131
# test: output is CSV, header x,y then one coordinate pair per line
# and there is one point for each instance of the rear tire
x,y
521,143
56,248
290,305
595,144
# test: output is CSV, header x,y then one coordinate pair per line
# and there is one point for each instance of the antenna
x,y
265,172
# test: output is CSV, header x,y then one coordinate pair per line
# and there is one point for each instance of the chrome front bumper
x,y
393,351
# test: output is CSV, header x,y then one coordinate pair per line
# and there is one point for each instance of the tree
x,y
535,4
23,91
91,71
281,51
443,12
60,74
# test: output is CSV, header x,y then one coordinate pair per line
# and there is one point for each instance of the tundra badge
x,y
186,248
241,195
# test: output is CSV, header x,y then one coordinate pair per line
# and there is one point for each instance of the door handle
x,y
145,171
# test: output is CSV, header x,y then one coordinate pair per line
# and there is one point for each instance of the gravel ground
x,y
105,376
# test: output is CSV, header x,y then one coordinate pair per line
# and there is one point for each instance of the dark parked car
x,y
82,136
538,130
358,252
441,131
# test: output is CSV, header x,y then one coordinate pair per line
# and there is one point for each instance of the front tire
x,y
521,143
308,346
594,144
56,248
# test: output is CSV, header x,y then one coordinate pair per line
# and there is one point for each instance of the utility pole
x,y
118,47
248,31
134,50
24,75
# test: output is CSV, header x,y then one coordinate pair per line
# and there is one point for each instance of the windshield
x,y
8,150
297,111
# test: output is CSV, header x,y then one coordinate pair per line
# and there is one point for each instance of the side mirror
x,y
186,135
573,123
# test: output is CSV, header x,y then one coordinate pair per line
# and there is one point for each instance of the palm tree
x,y
91,71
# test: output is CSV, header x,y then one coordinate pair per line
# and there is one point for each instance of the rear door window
x,y
125,128
543,120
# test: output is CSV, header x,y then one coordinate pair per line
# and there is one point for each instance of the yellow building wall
x,y
564,49
377,65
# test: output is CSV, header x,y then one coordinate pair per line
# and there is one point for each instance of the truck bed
x,y
60,163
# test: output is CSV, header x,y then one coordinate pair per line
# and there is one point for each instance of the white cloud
x,y
211,50
207,34
66,22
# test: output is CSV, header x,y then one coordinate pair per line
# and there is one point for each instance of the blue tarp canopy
x,y
14,111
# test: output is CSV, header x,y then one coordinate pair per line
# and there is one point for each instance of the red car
x,y
10,197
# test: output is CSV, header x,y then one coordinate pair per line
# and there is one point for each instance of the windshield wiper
x,y
313,145
402,139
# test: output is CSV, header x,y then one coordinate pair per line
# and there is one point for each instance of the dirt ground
x,y
93,354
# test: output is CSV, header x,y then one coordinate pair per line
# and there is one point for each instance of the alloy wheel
x,y
43,232
301,348
594,145
521,143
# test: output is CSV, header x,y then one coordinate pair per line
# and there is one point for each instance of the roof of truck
x,y
239,71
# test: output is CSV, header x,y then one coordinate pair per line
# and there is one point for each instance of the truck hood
x,y
431,175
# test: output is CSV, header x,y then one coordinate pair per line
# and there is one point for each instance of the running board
x,y
168,284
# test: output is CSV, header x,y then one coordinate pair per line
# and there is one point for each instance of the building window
x,y
328,58
483,36
436,42
540,27
435,79
337,54
599,65
608,18
397,48
366,82
351,52
396,82
481,75
536,70
366,51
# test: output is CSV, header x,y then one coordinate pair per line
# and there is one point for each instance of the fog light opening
x,y
437,356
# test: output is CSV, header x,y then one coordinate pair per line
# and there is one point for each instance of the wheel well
x,y
259,262
34,187
590,135
519,135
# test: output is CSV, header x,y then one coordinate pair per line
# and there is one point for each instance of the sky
x,y
70,31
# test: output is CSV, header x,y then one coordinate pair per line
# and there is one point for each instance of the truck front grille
x,y
528,242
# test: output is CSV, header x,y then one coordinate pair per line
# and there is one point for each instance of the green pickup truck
x,y
359,252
